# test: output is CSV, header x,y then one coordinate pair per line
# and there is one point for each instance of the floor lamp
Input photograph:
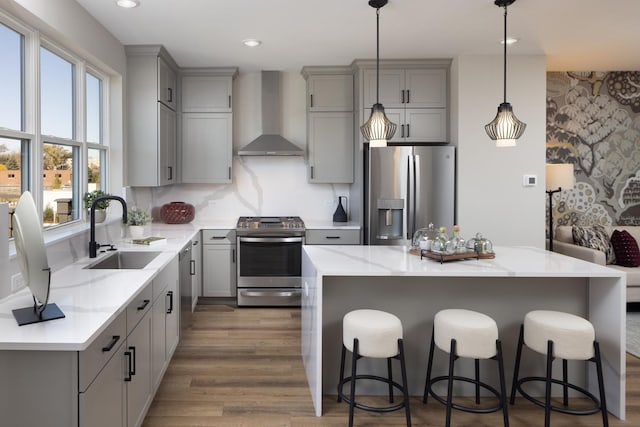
x,y
558,177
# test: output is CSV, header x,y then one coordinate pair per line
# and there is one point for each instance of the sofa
x,y
563,242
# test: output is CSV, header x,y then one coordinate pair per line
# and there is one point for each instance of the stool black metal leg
x,y
517,366
603,401
390,374
429,366
405,385
503,386
352,395
565,382
344,350
477,367
452,359
547,393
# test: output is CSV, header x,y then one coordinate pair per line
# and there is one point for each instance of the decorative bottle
x,y
457,244
440,242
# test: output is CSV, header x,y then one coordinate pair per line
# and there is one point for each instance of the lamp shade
x,y
559,176
505,128
378,129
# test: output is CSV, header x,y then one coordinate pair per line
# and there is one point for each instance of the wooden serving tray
x,y
452,257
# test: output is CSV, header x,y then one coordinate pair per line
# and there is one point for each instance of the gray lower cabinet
x,y
332,237
165,318
218,263
110,383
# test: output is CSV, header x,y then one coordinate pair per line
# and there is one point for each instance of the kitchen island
x,y
338,279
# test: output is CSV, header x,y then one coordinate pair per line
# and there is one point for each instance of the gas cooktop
x,y
266,225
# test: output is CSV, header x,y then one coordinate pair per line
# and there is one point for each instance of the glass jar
x,y
423,238
457,244
480,245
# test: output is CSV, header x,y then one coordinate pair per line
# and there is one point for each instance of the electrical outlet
x,y
17,282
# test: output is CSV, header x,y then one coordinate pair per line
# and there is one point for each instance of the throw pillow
x,y
625,248
594,237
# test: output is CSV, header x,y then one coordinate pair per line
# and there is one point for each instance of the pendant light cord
x,y
378,55
504,41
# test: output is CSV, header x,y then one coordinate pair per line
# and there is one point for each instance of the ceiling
x,y
574,35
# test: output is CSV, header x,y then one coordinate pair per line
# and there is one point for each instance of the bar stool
x,y
374,334
568,337
469,334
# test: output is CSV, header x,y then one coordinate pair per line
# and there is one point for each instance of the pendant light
x,y
378,129
506,127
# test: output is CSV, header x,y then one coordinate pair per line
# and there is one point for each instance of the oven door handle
x,y
294,293
271,239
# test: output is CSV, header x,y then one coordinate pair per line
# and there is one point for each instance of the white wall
x,y
491,196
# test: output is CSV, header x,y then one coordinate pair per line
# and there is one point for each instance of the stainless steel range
x,y
269,260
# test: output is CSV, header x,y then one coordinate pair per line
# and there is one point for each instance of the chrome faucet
x,y
93,245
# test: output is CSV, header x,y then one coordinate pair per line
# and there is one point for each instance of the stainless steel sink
x,y
124,260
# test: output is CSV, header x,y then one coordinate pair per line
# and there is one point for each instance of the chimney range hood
x,y
270,142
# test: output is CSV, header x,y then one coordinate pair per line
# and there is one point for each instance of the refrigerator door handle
x,y
411,204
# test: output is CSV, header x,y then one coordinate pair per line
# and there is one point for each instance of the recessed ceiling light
x,y
127,4
251,42
510,40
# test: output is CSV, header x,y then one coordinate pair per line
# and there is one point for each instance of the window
x,y
65,153
93,102
59,187
11,75
56,95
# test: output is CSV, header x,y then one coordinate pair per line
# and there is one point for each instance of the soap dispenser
x,y
340,215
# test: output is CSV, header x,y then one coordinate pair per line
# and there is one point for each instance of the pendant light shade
x,y
378,129
505,128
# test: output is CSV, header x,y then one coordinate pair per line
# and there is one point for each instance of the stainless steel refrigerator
x,y
406,188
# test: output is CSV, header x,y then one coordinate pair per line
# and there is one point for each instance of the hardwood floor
x,y
242,367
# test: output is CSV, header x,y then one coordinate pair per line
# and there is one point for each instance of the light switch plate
x,y
529,180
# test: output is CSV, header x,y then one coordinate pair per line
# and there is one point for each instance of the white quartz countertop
x,y
397,261
90,299
329,225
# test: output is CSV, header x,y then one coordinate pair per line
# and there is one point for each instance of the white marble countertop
x,y
90,299
397,261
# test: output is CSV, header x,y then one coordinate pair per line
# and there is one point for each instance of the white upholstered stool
x,y
374,334
469,334
568,337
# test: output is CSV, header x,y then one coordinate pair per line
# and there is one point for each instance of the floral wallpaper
x,y
593,122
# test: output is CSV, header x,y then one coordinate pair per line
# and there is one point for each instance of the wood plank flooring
x,y
242,367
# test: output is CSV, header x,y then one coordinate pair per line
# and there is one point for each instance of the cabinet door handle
x,y
144,304
229,172
233,256
217,237
170,95
402,96
408,97
170,295
311,172
408,133
114,340
311,101
401,131
192,267
129,365
332,237
229,101
132,366
170,172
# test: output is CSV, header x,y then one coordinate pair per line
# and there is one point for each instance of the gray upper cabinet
x,y
167,84
206,145
330,146
415,95
151,117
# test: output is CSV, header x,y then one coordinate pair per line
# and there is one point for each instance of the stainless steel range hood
x,y
270,143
